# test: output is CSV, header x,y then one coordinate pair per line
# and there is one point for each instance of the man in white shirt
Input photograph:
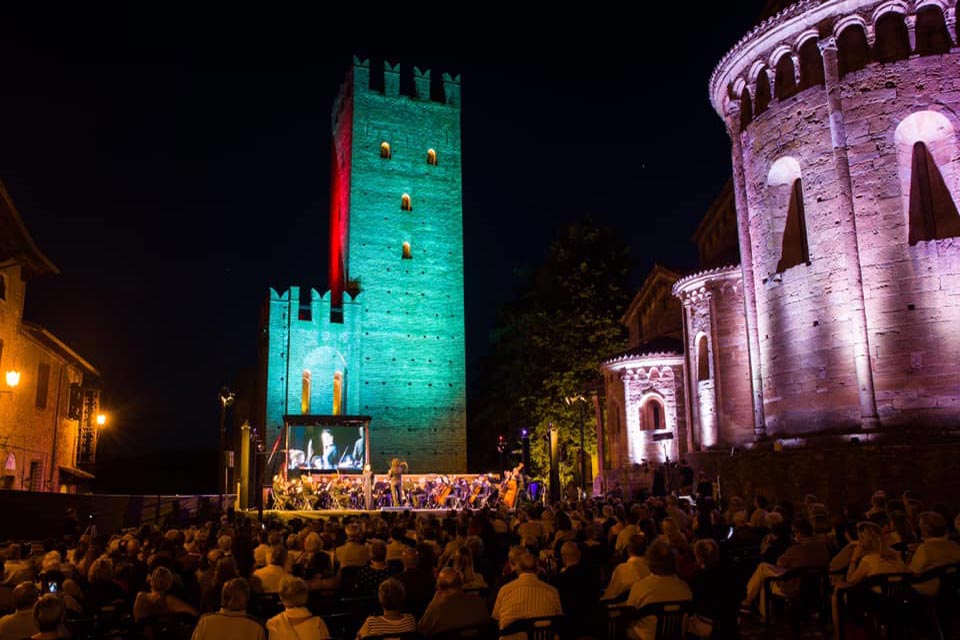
x,y
525,597
20,624
629,572
271,575
662,585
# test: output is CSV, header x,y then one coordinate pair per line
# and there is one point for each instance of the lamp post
x,y
581,401
226,399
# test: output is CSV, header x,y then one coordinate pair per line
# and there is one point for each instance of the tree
x,y
549,342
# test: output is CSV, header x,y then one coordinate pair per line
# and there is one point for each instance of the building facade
x,y
840,318
386,340
49,394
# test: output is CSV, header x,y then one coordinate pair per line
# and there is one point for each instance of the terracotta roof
x,y
657,346
16,245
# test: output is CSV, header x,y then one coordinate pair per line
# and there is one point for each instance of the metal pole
x,y
583,456
222,463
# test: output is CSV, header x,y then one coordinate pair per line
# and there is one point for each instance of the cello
x,y
512,486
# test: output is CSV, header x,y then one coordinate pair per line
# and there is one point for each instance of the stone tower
x,y
843,117
387,339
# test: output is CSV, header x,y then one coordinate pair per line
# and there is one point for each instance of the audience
x,y
422,568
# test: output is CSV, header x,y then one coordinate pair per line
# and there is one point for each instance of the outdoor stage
x,y
323,514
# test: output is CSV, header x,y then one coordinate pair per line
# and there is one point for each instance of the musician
x,y
395,478
328,457
279,492
368,486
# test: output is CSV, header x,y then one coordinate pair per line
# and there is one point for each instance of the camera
x,y
52,587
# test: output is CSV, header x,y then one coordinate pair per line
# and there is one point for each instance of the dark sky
x,y
176,165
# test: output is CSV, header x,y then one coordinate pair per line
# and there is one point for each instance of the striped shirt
x,y
379,626
526,597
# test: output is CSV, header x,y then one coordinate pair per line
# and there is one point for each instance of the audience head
x,y
294,592
48,612
661,559
526,563
378,551
570,553
235,595
161,579
802,528
278,555
870,537
707,552
449,581
932,525
391,594
25,596
410,558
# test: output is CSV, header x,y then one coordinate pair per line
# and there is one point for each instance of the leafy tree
x,y
549,342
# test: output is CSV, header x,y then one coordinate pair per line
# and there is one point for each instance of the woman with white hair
x,y
296,622
158,603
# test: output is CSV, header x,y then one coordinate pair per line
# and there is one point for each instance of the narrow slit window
x,y
406,255
703,360
385,150
405,204
337,393
794,250
431,157
933,213
305,394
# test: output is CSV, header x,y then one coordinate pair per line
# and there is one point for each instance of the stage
x,y
323,514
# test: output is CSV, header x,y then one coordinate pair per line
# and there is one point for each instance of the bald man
x,y
451,607
20,624
525,597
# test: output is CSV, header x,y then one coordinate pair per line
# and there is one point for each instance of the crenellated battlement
x,y
393,77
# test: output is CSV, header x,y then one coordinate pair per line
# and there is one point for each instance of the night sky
x,y
175,166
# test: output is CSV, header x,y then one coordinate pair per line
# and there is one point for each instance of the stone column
x,y
911,21
732,118
849,243
688,374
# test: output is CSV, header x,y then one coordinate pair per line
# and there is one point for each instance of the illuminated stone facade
x,y
387,339
841,318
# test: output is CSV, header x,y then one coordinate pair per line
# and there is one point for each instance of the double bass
x,y
512,487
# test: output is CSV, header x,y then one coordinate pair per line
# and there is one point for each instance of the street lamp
x,y
12,378
226,399
583,458
101,419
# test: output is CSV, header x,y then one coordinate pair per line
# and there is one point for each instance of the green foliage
x,y
549,342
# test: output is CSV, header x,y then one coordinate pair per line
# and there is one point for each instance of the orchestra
x,y
307,492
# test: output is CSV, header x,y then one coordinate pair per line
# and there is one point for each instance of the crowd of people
x,y
400,571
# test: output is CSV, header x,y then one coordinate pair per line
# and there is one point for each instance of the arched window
x,y
385,150
431,157
926,152
932,35
933,214
3,287
305,393
337,393
406,255
786,80
811,64
893,39
853,50
786,207
763,91
405,204
746,108
652,416
703,359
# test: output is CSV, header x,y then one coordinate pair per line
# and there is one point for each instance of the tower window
x,y
43,384
3,287
652,415
405,204
385,150
407,255
431,157
337,393
305,393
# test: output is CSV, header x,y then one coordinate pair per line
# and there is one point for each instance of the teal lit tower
x,y
387,338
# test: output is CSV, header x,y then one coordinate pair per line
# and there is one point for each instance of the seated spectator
x,y
101,589
578,585
451,607
417,581
296,622
20,624
17,566
353,553
936,550
629,572
232,620
777,541
48,615
210,593
673,535
463,563
158,603
715,591
369,577
807,551
269,577
527,596
393,620
662,585
398,543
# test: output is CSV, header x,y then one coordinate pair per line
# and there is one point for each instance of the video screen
x,y
326,448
